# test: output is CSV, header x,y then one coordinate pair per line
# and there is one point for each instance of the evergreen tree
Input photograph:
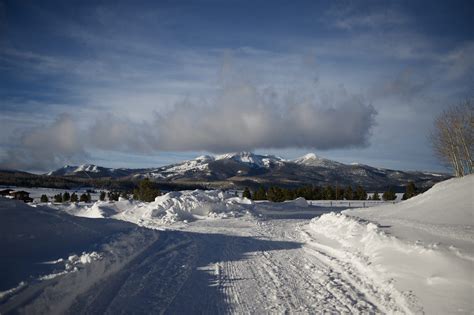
x,y
288,194
376,196
329,193
360,193
102,196
260,194
410,191
44,198
74,197
339,193
315,193
348,193
389,195
58,198
124,195
84,198
246,193
66,196
146,191
275,194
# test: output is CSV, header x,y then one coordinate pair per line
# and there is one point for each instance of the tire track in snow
x,y
245,267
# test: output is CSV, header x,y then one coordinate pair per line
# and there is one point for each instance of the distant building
x,y
21,195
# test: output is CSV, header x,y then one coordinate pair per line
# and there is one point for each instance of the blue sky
x,y
147,83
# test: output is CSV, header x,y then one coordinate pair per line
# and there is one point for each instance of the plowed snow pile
x,y
169,208
422,247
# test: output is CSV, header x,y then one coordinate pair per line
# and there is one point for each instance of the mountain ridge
x,y
240,169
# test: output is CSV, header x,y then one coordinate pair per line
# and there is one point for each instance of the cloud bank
x,y
46,146
240,117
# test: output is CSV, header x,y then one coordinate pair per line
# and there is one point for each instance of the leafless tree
x,y
453,137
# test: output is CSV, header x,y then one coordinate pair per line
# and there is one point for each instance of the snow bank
x,y
49,257
299,202
448,202
421,248
87,270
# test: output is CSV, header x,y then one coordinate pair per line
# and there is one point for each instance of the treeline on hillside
x,y
22,179
329,192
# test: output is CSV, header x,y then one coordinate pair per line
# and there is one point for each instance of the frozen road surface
x,y
233,266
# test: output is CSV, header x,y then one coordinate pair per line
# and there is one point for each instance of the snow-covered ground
x,y
49,257
422,247
212,252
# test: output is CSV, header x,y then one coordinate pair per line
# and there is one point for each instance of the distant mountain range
x,y
236,170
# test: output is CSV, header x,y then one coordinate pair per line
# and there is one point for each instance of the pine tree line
x,y
66,197
329,192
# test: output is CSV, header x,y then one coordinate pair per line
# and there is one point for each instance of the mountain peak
x,y
250,158
310,156
87,168
312,159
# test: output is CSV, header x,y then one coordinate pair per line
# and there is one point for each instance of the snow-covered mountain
x,y
251,159
216,167
71,170
250,169
312,159
91,170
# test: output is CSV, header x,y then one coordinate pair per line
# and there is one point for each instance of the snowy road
x,y
233,266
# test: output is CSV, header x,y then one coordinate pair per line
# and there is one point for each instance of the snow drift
x,y
421,248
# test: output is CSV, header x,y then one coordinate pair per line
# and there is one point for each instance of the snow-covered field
x,y
212,252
